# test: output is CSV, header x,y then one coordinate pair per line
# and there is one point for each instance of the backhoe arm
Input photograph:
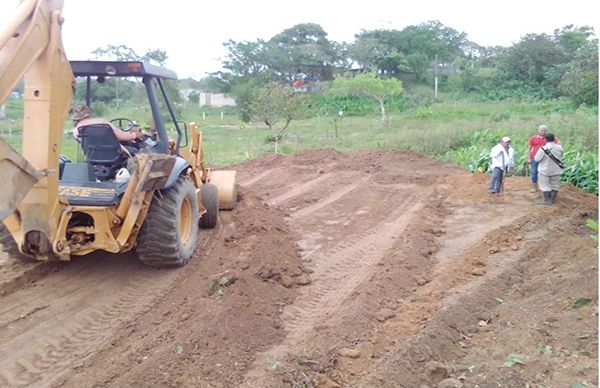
x,y
33,32
31,47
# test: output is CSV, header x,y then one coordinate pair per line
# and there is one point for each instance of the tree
x,y
571,38
245,94
302,48
409,51
377,51
214,84
531,58
579,82
306,49
115,89
194,97
116,53
544,66
370,85
159,56
125,53
367,50
579,77
277,102
246,59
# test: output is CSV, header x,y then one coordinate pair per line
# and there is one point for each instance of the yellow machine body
x,y
39,217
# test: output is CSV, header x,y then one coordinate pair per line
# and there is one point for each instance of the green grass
x,y
456,132
448,127
69,146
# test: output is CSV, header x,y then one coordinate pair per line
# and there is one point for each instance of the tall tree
x,y
302,48
307,49
118,89
245,58
125,53
159,56
116,53
571,38
579,77
411,50
531,58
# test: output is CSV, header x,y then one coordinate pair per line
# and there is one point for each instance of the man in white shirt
x,y
502,156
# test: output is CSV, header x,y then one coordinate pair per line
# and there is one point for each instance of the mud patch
x,y
365,269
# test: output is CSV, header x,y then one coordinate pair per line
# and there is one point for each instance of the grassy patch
x,y
458,132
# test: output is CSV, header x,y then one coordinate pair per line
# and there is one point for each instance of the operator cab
x,y
100,175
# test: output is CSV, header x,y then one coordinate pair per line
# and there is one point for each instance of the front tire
x,y
169,234
210,201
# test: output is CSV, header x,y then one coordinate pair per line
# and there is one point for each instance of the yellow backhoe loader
x,y
151,198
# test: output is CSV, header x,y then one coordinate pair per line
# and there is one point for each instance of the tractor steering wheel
x,y
120,121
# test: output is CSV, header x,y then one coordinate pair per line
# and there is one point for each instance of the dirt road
x,y
369,269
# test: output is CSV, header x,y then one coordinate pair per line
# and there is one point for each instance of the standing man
x,y
550,166
502,156
535,143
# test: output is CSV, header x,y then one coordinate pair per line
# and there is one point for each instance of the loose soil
x,y
365,269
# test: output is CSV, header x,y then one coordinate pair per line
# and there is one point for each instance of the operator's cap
x,y
544,127
80,112
505,139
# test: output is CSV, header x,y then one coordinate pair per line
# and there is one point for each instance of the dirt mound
x,y
373,268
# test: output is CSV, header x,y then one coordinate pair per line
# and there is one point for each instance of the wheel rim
x,y
185,221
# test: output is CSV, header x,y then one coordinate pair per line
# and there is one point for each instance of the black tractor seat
x,y
102,150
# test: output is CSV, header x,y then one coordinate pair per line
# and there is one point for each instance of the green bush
x,y
581,169
472,152
350,104
274,138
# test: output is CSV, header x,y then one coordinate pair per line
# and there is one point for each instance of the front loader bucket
x,y
17,177
225,182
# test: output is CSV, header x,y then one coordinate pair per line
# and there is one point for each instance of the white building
x,y
213,100
216,100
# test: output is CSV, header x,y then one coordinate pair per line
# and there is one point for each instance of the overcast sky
x,y
193,32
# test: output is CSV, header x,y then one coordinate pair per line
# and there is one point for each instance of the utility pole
x,y
435,82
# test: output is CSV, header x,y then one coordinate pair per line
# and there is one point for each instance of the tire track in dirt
x,y
69,316
461,267
17,273
297,190
258,177
447,294
337,271
500,261
468,225
328,200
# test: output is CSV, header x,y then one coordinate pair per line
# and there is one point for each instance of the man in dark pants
x,y
535,143
550,167
502,156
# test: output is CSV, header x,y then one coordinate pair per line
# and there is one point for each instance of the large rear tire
x,y
8,244
169,234
210,201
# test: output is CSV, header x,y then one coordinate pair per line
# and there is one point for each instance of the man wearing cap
x,y
549,158
535,143
502,156
82,115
